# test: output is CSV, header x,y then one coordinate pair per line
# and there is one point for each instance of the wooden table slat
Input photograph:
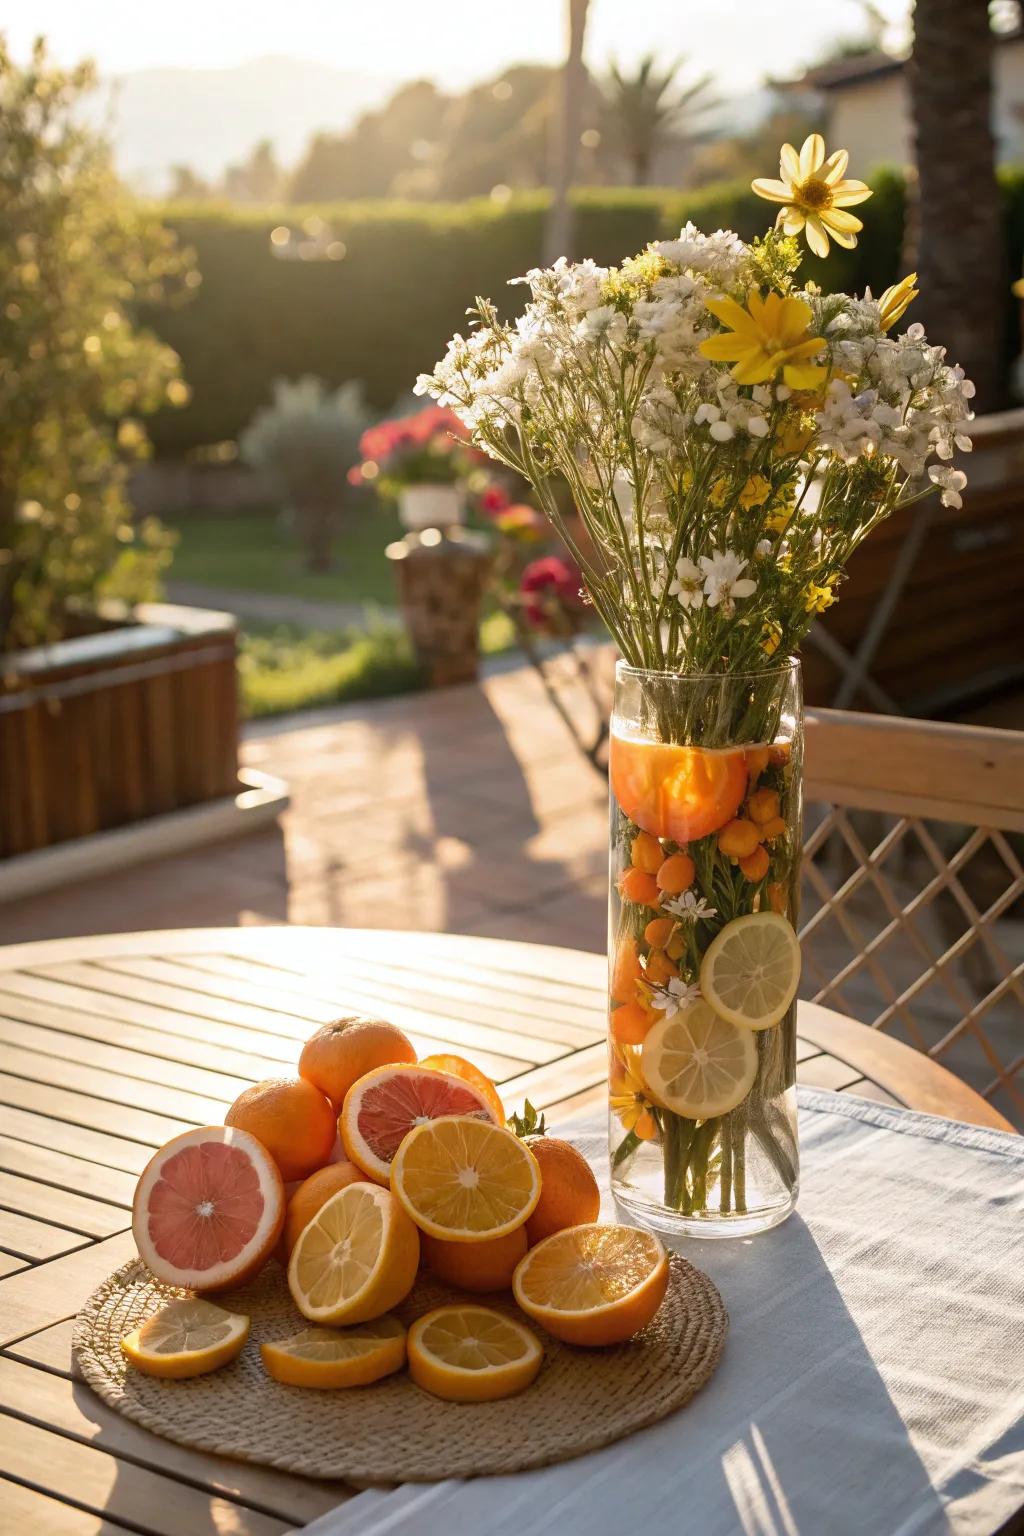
x,y
93,1114
57,1402
107,1485
26,1512
77,1141
113,1087
47,1167
27,1238
59,1207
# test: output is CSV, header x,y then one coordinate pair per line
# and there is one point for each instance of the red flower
x,y
493,500
550,586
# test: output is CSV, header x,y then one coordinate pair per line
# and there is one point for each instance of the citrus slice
x,y
592,1285
465,1180
697,1064
186,1338
676,792
458,1066
381,1109
356,1259
751,971
209,1208
470,1354
337,1357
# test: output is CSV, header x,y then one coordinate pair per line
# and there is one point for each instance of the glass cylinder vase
x,y
706,777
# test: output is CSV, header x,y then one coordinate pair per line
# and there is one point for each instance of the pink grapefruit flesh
x,y
383,1107
209,1209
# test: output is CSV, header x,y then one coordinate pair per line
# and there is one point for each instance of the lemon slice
x,y
593,1285
186,1338
356,1259
471,1354
465,1180
698,1064
337,1357
751,971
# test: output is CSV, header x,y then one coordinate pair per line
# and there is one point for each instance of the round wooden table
x,y
111,1045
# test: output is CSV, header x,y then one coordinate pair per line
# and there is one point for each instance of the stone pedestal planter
x,y
441,579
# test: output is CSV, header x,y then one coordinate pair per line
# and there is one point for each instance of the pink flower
x,y
521,522
550,586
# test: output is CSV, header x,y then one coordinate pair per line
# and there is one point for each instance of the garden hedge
x,y
384,313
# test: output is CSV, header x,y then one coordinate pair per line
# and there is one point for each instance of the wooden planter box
x,y
134,720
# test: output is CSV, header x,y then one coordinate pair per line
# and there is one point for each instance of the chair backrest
x,y
913,890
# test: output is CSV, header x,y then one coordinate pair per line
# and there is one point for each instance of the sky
x,y
456,42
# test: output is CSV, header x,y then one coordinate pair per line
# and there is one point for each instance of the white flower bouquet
x,y
729,436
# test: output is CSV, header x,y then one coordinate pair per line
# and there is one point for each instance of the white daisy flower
x,y
724,580
675,995
690,908
686,584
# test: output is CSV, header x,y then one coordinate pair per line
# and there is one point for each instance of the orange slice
x,y
337,1357
597,1284
464,1180
186,1338
356,1259
470,1354
676,792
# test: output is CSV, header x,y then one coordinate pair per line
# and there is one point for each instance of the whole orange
x,y
569,1195
486,1266
458,1066
311,1194
293,1120
345,1050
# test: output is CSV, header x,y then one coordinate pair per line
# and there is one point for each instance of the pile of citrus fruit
x,y
363,1170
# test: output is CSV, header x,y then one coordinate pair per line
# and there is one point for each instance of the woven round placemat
x,y
391,1431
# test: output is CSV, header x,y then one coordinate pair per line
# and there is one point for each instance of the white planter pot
x,y
430,506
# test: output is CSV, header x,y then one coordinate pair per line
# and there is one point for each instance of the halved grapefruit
x,y
208,1209
384,1106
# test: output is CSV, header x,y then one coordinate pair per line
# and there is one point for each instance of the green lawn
x,y
253,551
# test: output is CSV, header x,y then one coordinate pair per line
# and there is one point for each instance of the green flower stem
x,y
725,1180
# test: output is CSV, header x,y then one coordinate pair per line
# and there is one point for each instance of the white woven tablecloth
x,y
872,1383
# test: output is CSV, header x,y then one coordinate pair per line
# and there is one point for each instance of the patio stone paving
x,y
467,811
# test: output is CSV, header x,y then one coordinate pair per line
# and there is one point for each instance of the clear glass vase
x,y
706,775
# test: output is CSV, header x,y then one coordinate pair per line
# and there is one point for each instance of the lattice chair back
x,y
912,915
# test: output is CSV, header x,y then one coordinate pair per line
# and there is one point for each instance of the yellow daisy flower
x,y
627,1095
755,492
768,336
814,195
817,599
895,301
771,637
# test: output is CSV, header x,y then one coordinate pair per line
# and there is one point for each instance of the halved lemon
x,y
337,1357
596,1284
186,1338
751,971
698,1064
472,1354
357,1258
465,1180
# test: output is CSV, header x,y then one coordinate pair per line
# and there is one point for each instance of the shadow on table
x,y
825,1448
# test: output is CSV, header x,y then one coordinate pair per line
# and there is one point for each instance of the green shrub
x,y
384,313
285,668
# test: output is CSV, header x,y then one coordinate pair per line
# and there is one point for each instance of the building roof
x,y
859,69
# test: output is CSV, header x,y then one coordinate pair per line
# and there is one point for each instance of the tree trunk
x,y
640,160
957,221
558,229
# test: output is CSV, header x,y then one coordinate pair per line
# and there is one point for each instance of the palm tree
x,y
643,109
956,242
558,230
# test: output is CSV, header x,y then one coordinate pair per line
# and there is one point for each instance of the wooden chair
x,y
913,892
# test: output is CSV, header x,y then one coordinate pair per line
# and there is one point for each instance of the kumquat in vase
x,y
727,436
